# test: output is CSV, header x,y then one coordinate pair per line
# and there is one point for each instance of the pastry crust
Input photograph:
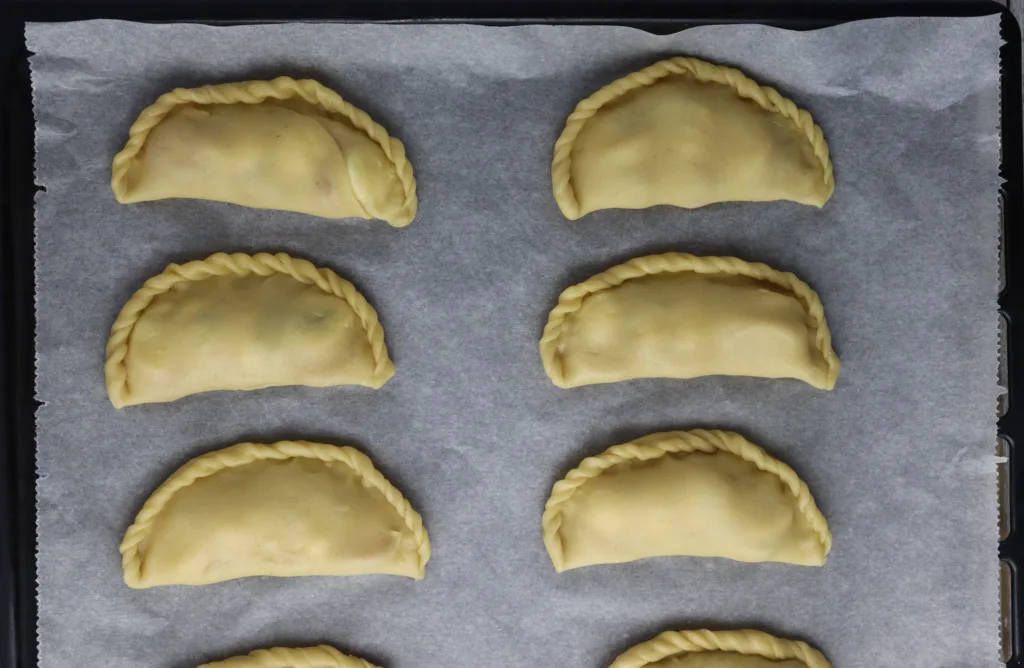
x,y
322,656
254,93
746,642
660,445
553,347
769,99
119,384
138,573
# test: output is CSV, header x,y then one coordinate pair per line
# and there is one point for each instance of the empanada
x,y
721,649
323,656
287,509
683,493
681,316
281,144
243,322
688,133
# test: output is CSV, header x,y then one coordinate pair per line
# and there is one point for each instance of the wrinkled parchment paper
x,y
899,457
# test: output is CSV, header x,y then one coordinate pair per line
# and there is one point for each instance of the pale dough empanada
x,y
688,133
281,144
681,316
721,649
243,322
323,656
683,493
287,509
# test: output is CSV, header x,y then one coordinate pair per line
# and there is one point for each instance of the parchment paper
x,y
899,457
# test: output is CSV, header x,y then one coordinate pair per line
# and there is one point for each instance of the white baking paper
x,y
899,456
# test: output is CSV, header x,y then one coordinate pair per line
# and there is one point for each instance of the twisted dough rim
x,y
746,641
239,264
767,98
320,656
572,298
654,446
254,92
246,453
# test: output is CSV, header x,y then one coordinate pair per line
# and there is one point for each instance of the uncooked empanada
x,y
688,133
681,316
721,649
323,656
281,144
243,322
683,493
287,509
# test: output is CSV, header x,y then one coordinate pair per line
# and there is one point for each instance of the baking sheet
x,y
899,457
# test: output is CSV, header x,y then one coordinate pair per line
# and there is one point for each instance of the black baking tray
x,y
17,189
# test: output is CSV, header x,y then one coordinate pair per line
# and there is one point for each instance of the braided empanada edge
x,y
572,298
744,641
241,454
239,264
705,72
321,656
654,446
254,92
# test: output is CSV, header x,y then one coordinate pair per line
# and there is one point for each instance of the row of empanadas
x,y
687,133
681,132
241,322
672,649
297,508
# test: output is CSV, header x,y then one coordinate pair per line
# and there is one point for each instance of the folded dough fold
x,y
280,144
683,493
243,322
322,656
721,649
681,316
288,509
688,133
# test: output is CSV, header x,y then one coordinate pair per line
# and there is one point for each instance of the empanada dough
x,y
322,656
721,649
688,133
287,509
681,316
281,144
695,493
243,322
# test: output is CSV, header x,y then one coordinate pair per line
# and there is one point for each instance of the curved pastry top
x,y
554,345
283,90
656,446
177,370
322,656
170,543
684,116
777,652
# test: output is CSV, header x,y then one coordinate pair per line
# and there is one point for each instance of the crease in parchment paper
x,y
898,457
